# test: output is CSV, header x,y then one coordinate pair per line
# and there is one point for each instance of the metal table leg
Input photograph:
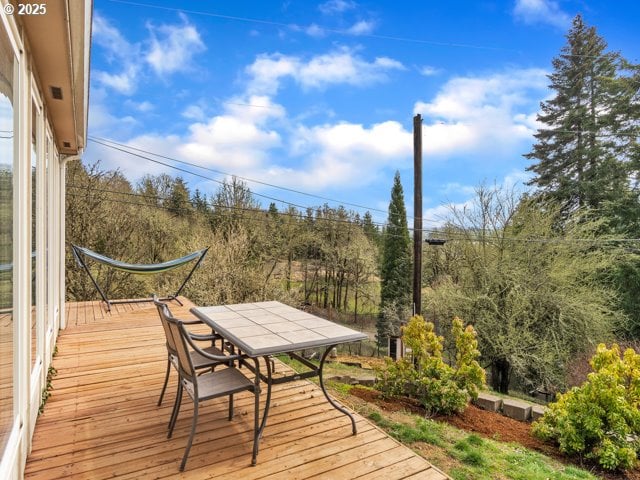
x,y
267,403
331,401
257,431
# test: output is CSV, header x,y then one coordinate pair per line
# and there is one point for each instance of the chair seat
x,y
200,361
219,383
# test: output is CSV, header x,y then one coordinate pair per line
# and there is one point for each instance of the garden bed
x,y
488,424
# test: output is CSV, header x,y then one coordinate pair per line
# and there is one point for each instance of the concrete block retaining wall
x,y
516,409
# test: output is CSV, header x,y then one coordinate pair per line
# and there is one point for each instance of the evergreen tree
x,y
200,202
579,158
395,273
178,201
370,229
588,154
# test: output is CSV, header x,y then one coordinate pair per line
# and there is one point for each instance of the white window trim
x,y
37,368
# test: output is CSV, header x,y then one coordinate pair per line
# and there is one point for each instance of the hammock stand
x,y
139,269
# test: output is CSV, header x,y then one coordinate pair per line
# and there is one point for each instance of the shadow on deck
x,y
102,421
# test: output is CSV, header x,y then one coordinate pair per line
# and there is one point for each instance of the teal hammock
x,y
80,253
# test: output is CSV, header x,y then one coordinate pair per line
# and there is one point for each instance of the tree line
x,y
324,255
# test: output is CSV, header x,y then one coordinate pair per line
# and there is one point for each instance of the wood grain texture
x,y
102,421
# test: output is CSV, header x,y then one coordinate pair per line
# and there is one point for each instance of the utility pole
x,y
417,215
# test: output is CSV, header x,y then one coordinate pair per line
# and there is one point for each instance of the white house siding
x,y
32,208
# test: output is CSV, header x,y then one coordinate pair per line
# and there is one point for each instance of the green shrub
x,y
427,378
601,418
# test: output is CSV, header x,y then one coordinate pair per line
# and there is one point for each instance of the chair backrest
x,y
179,333
164,313
178,342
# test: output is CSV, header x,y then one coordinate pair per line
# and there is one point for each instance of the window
x,y
34,223
7,65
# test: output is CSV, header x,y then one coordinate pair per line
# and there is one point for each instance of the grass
x,y
423,431
463,455
330,368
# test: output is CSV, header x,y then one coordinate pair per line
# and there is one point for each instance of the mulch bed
x,y
389,405
498,427
489,424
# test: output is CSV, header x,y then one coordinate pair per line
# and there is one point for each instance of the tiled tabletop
x,y
266,328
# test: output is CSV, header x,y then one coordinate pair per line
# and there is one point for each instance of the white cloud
x,y
344,154
362,27
135,168
332,7
482,114
173,47
170,49
229,142
338,67
315,31
267,70
344,67
109,37
120,53
238,140
103,123
258,109
541,11
145,106
429,71
124,82
194,112
457,188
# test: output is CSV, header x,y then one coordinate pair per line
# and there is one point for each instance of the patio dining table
x,y
263,329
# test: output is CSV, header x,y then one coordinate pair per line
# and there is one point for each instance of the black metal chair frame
x,y
234,382
79,252
199,363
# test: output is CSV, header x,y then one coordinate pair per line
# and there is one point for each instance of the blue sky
x,y
319,97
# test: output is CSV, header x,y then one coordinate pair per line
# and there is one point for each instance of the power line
x,y
301,216
193,173
112,144
583,132
449,236
344,32
325,29
242,213
494,238
253,105
102,141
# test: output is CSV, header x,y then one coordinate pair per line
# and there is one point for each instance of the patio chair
x,y
209,385
199,362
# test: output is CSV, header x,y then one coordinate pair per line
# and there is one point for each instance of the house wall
x,y
32,246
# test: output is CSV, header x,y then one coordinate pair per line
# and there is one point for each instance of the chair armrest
x,y
216,358
192,322
205,336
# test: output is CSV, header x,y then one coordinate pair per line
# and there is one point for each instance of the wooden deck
x,y
102,421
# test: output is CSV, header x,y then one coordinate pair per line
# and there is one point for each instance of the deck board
x,y
102,420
